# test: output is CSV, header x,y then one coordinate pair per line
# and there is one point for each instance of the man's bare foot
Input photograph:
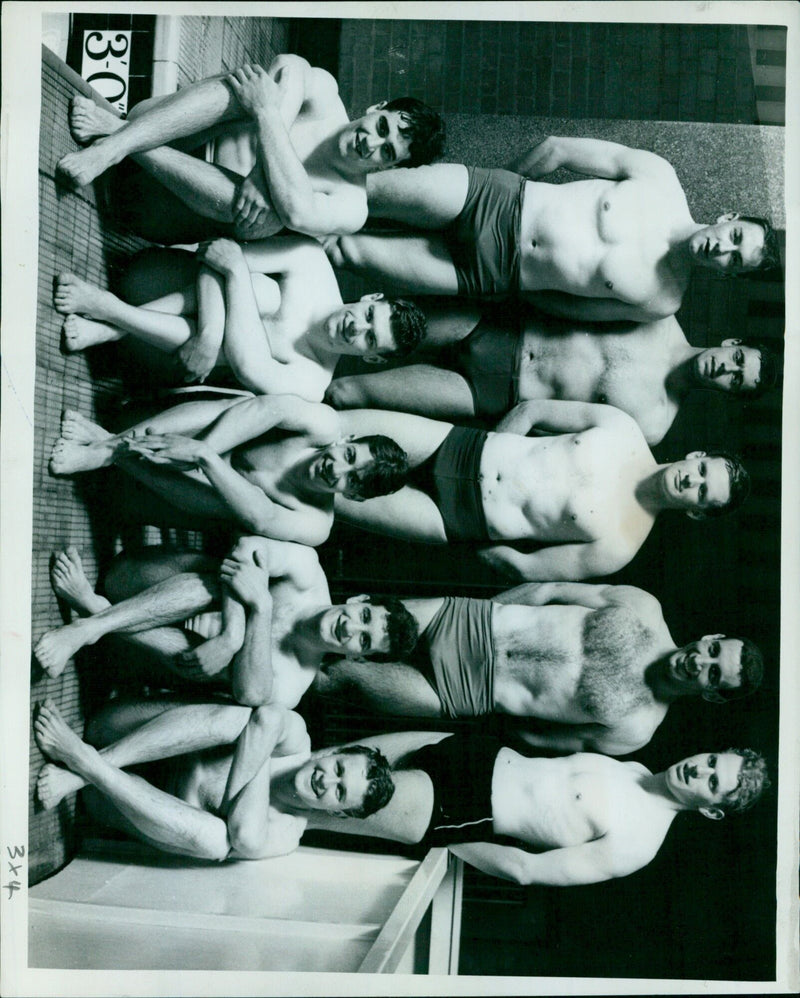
x,y
210,657
80,333
68,457
88,121
73,294
55,738
55,648
69,583
80,429
83,167
54,783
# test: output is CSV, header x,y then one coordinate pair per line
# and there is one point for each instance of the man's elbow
x,y
247,843
252,692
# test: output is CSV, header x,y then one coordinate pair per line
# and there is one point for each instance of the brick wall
x,y
647,71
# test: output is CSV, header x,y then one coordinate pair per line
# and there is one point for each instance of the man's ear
x,y
715,813
711,696
375,359
695,453
362,598
731,341
729,216
374,296
377,107
694,515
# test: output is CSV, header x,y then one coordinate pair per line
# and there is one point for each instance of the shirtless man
x,y
271,464
620,246
258,625
273,333
490,360
596,665
286,154
584,490
252,801
589,818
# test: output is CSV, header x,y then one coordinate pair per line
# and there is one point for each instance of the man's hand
x,y
223,255
255,89
182,453
252,205
248,579
196,359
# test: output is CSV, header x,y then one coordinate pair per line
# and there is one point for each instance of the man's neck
x,y
681,378
650,493
658,679
655,785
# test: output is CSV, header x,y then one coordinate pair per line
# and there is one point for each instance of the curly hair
x,y
401,628
771,257
739,481
768,368
753,781
408,324
751,674
386,473
380,784
424,127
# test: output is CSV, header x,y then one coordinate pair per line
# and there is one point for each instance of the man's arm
x,y
595,597
557,416
299,206
251,669
591,863
558,562
587,309
253,418
582,738
592,157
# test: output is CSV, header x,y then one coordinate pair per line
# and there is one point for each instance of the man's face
x,y
363,329
730,367
730,245
706,666
335,468
704,780
333,782
376,141
696,483
355,628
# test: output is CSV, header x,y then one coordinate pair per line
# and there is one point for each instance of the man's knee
x,y
248,545
347,393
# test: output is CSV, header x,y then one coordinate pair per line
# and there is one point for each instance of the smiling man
x,y
269,313
270,465
619,246
285,154
576,819
258,625
594,668
560,491
239,783
481,362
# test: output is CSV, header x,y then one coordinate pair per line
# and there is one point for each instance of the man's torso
x,y
601,239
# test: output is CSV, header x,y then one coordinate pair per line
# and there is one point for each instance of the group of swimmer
x,y
553,336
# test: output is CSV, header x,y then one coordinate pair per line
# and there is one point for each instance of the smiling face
x,y
363,329
730,367
355,628
708,665
376,141
335,467
729,246
705,781
696,483
333,782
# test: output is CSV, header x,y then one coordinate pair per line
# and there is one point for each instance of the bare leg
x,y
388,687
157,817
418,263
171,729
408,514
168,602
215,654
419,437
426,197
179,115
88,121
69,583
419,388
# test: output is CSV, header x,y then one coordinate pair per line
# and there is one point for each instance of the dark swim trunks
x,y
461,769
484,239
456,655
451,477
489,361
